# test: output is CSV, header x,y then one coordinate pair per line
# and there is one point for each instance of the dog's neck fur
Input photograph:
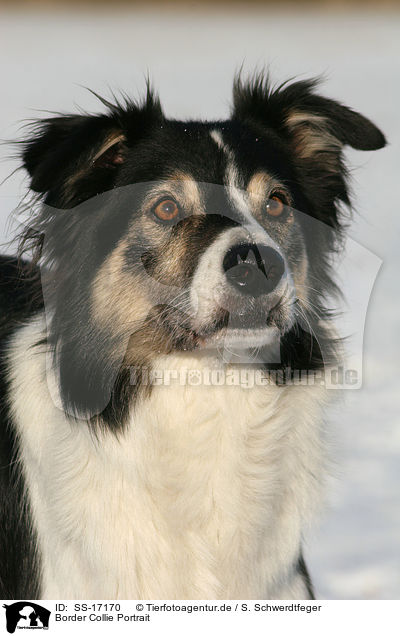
x,y
205,495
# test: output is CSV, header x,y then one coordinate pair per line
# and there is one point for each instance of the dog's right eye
x,y
166,211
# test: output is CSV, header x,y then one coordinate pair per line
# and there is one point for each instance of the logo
x,y
26,615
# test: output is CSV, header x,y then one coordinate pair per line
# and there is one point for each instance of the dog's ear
x,y
314,122
73,157
70,146
315,129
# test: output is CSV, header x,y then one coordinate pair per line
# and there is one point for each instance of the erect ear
x,y
70,158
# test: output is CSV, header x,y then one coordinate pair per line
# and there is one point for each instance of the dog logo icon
x,y
26,615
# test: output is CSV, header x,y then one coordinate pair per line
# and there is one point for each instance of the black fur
x,y
303,571
19,562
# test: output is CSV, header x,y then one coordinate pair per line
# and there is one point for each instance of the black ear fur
x,y
258,101
348,126
60,146
64,151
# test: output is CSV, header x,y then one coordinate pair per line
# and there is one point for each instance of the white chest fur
x,y
204,496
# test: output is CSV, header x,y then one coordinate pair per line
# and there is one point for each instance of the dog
x,y
168,261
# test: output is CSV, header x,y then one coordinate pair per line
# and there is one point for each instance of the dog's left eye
x,y
166,210
276,205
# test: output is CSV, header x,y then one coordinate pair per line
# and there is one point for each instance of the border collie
x,y
170,260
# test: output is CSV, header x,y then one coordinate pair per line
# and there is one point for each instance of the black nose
x,y
253,269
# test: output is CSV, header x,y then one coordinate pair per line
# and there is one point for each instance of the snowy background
x,y
46,58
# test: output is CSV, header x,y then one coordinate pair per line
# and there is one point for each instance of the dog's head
x,y
163,235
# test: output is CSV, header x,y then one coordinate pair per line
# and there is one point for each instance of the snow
x,y
47,57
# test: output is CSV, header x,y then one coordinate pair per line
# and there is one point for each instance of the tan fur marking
x,y
299,278
116,297
113,138
259,185
311,137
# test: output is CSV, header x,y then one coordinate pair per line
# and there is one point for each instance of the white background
x,y
354,552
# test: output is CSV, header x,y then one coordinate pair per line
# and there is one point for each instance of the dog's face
x,y
167,235
211,250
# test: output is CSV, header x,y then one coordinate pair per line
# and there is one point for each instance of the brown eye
x,y
275,205
167,210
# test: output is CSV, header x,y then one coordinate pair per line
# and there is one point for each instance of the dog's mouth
x,y
244,329
241,330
